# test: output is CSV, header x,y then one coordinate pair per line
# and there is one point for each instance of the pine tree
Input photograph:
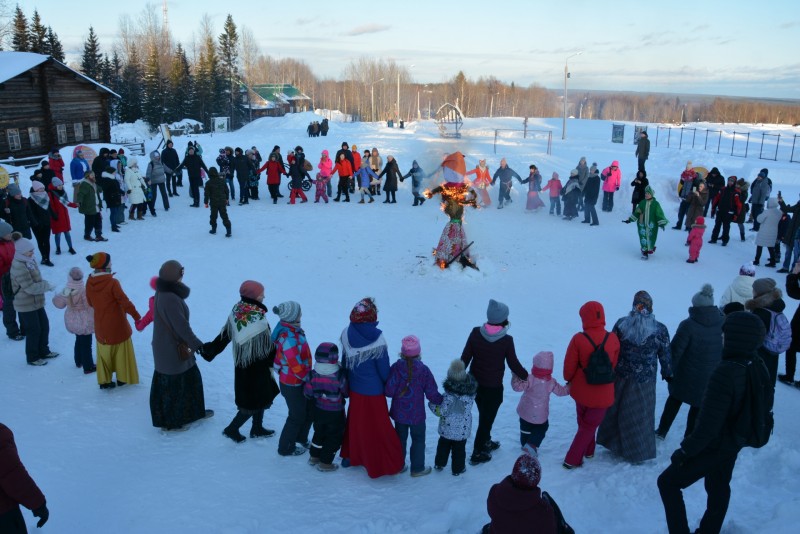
x,y
113,83
37,35
210,99
153,89
179,99
130,89
53,47
229,68
105,71
19,39
91,60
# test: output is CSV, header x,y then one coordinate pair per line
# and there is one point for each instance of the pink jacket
x,y
554,185
147,318
325,165
612,177
534,406
79,317
695,240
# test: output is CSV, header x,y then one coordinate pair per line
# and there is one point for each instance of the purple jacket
x,y
328,391
408,391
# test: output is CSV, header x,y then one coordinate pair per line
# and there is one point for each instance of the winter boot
x,y
258,430
233,433
327,468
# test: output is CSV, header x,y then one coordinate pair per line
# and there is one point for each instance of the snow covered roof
x,y
12,64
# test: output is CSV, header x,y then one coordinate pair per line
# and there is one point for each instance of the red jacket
x,y
57,166
554,185
357,159
344,168
60,222
594,322
274,171
6,256
16,485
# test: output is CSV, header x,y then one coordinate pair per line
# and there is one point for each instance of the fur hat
x,y
251,289
133,161
288,311
365,311
743,332
76,274
747,270
327,353
527,472
99,260
457,372
409,346
5,228
705,297
171,271
497,312
762,286
643,300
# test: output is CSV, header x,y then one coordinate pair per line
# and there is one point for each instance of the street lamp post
x,y
491,105
372,98
566,75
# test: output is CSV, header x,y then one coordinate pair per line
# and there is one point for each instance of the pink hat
x,y
409,347
153,281
251,289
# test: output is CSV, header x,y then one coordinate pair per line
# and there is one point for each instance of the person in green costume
x,y
649,217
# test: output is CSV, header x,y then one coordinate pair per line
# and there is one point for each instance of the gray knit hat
x,y
705,297
457,371
497,312
13,190
288,311
5,228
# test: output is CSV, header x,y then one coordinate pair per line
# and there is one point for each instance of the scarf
x,y
249,330
544,374
637,326
362,342
492,333
61,196
29,261
326,368
41,199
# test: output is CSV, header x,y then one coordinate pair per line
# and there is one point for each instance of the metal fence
x,y
766,146
526,133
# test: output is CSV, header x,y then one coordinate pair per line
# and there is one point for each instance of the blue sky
x,y
734,47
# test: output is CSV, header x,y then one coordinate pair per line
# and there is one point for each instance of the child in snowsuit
x,y
216,195
147,318
364,177
455,417
327,387
321,184
695,239
79,318
409,382
534,405
554,186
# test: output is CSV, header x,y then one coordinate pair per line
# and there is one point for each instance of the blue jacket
x,y
78,168
369,376
364,174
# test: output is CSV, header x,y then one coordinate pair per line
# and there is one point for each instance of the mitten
x,y
43,514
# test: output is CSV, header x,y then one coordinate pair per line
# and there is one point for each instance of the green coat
x,y
649,217
216,192
88,198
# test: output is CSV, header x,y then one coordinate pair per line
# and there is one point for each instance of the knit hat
x,y
762,286
543,360
593,168
643,300
99,260
409,346
699,221
364,311
133,161
763,173
153,281
171,271
732,306
327,353
747,270
76,274
705,297
13,190
213,173
527,472
5,228
288,311
457,372
573,172
23,246
354,148
497,312
743,332
251,289
36,185
56,182
454,168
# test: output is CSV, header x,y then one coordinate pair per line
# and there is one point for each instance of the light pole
x,y
491,105
372,98
398,92
566,75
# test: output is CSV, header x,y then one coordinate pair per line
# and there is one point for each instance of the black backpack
x,y
599,369
755,421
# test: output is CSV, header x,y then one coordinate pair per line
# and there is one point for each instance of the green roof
x,y
278,92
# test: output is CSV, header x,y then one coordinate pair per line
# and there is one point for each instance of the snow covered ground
x,y
104,468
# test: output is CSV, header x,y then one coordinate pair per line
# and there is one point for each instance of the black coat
x,y
169,157
241,166
591,190
20,216
392,173
794,212
297,171
696,351
793,290
643,148
192,163
112,194
42,215
638,189
715,182
216,192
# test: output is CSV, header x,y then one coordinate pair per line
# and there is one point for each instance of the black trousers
x,y
37,334
343,188
195,183
244,190
42,235
791,361
716,469
608,201
222,212
723,222
671,409
328,434
298,422
92,223
459,450
641,164
488,401
172,184
9,313
274,191
164,198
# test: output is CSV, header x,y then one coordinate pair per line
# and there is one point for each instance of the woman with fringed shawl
x,y
627,429
253,355
369,437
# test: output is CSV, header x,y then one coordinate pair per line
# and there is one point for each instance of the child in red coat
x,y
695,239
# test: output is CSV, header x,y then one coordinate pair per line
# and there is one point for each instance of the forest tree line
x,y
161,80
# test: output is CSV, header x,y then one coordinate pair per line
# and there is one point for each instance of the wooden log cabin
x,y
45,105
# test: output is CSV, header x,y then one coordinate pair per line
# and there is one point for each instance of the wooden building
x,y
274,100
45,105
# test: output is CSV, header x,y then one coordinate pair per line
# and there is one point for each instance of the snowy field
x,y
104,468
